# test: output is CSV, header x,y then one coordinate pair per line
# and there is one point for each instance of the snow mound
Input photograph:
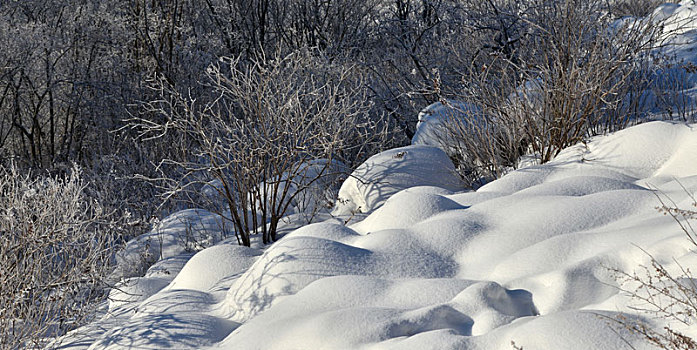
x,y
209,266
166,331
359,310
389,172
287,267
179,233
433,121
405,209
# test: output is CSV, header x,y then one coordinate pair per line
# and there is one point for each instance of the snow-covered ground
x,y
526,258
409,261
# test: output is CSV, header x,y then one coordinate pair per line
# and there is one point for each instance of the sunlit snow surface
x,y
411,263
523,259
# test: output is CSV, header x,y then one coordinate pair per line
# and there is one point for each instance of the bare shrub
x,y
274,128
483,134
574,72
54,254
579,72
671,80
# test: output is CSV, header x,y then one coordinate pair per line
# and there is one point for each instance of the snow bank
x,y
355,311
209,266
524,259
389,172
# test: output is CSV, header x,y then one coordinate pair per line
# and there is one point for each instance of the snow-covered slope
x,y
526,258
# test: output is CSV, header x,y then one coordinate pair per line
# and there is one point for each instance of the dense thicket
x,y
71,72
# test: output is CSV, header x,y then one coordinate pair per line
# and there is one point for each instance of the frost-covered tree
x,y
55,252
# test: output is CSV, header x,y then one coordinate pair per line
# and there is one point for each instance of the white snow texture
x,y
524,259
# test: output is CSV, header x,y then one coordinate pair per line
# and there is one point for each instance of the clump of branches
x,y
665,296
569,70
55,252
273,128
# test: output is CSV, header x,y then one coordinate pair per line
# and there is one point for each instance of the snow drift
x,y
526,258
